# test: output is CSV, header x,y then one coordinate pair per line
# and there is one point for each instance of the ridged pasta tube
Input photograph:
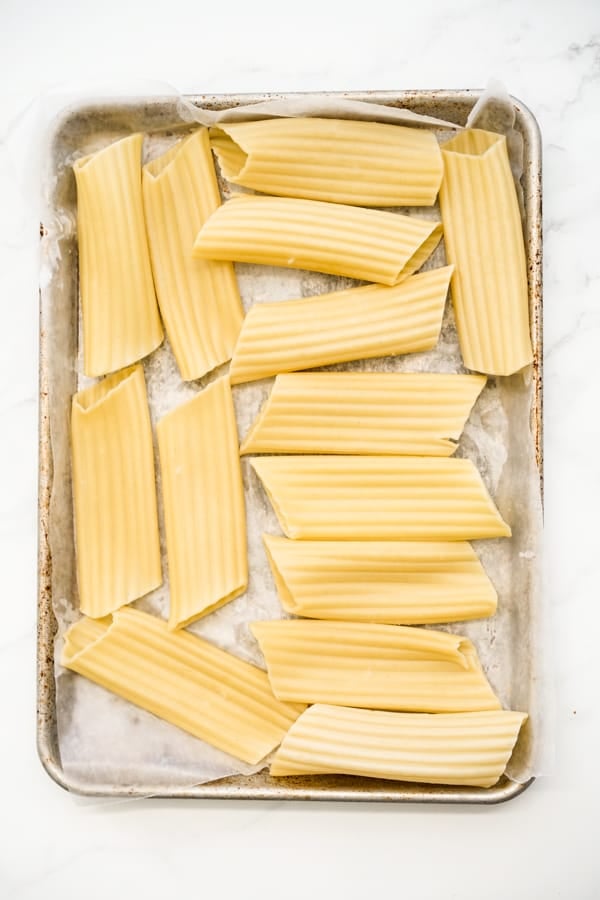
x,y
121,323
205,518
199,299
379,498
114,492
395,582
183,679
364,412
484,239
338,160
367,244
373,666
358,323
456,748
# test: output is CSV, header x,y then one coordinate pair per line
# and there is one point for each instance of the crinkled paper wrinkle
x,y
310,105
102,739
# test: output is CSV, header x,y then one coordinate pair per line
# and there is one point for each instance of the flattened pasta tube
x,y
376,498
358,323
339,160
183,679
204,504
199,299
395,582
116,523
364,412
373,666
456,748
121,323
326,237
484,238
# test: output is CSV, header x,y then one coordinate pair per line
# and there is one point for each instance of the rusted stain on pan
x,y
453,106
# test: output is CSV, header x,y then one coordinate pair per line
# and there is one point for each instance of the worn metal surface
x,y
158,114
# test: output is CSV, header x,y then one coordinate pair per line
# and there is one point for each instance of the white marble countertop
x,y
544,844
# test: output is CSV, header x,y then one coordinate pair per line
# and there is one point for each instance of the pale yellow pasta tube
x,y
356,412
395,582
204,504
325,237
379,498
339,160
484,238
183,679
456,748
358,323
121,323
373,666
116,523
199,299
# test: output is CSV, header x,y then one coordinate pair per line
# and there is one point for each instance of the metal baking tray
x,y
60,337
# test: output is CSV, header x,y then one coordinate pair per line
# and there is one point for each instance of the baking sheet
x,y
95,742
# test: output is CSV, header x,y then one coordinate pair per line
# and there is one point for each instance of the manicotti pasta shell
x,y
373,666
379,498
484,239
337,239
395,582
183,679
205,520
199,299
114,493
358,323
456,748
364,412
338,160
121,323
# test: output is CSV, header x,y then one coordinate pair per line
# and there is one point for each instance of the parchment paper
x,y
310,105
103,739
